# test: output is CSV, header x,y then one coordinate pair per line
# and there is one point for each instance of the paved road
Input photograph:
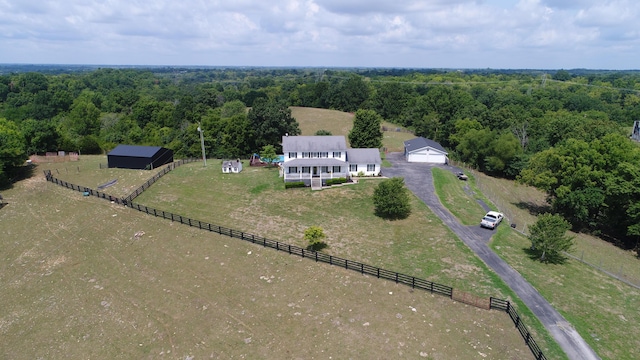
x,y
418,179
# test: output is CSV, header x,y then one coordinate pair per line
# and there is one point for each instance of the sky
x,y
458,34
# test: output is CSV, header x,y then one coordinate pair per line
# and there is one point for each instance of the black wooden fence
x,y
306,253
82,189
494,303
504,305
155,178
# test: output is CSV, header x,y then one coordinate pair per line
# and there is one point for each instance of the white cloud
x,y
428,33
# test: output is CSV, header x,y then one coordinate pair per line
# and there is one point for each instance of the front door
x,y
315,171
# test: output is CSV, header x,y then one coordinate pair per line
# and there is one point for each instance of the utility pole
x,y
204,156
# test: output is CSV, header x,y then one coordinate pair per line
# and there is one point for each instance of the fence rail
x,y
155,178
504,305
306,253
416,283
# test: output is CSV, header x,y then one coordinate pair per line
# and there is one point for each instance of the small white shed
x,y
231,166
424,150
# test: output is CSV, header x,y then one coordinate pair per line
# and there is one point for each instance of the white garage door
x,y
436,158
427,157
418,157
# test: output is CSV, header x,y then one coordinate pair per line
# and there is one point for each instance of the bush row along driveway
x,y
418,179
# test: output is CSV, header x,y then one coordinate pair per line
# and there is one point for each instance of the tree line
x,y
566,132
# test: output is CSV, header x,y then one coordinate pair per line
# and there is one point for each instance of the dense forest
x,y
565,131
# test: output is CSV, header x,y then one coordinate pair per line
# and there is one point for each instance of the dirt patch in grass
x,y
78,283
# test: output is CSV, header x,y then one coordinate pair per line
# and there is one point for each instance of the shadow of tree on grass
x,y
532,208
549,258
318,246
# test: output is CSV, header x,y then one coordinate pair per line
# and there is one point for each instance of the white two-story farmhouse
x,y
314,159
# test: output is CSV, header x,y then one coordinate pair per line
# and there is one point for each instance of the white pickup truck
x,y
491,220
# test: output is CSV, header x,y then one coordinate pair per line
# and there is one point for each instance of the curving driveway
x,y
418,179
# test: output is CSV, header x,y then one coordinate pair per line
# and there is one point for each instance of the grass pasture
x,y
76,283
458,196
312,119
87,172
340,123
602,309
255,201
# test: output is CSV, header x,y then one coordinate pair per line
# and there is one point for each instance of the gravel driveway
x,y
418,179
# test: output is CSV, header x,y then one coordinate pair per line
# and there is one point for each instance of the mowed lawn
x,y
77,283
602,309
256,202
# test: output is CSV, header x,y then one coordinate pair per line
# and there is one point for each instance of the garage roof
x,y
421,143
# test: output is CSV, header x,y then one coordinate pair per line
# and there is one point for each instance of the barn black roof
x,y
135,150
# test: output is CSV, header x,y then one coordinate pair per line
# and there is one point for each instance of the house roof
x,y
421,143
313,143
315,162
364,156
134,151
230,163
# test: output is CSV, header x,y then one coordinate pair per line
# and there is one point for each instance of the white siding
x,y
363,168
427,155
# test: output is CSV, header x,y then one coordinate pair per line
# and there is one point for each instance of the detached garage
x,y
139,157
424,150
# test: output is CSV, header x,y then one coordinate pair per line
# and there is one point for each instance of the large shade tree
x,y
391,199
549,239
270,120
594,185
366,131
12,148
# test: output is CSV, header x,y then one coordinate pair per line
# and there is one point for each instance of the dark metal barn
x,y
139,157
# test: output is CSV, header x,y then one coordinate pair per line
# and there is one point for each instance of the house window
x,y
353,167
324,154
293,155
306,169
324,169
371,167
336,169
314,155
337,154
293,169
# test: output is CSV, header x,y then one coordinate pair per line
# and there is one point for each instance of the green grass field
x,y
602,309
340,123
77,283
458,196
255,201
